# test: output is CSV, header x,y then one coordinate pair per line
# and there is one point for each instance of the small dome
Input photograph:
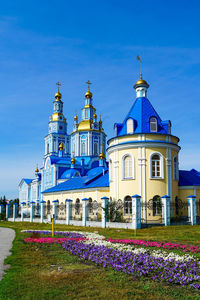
x,y
58,95
36,170
75,118
61,146
88,94
101,155
100,122
141,82
73,160
94,116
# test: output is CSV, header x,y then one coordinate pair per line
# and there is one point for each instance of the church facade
x,y
143,158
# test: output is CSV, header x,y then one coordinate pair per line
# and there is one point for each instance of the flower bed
x,y
184,248
48,240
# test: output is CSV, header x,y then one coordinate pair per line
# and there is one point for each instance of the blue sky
x,y
42,42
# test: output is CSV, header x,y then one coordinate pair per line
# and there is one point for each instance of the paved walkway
x,y
6,238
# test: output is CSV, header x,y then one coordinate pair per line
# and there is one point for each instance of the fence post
x,y
68,211
42,211
7,211
103,211
166,209
1,208
136,212
192,210
14,211
32,211
22,212
55,202
85,211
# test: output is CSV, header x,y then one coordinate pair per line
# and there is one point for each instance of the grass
x,y
49,272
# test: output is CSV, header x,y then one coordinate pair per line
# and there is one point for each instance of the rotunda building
x,y
143,157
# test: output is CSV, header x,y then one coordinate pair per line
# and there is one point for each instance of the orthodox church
x,y
143,157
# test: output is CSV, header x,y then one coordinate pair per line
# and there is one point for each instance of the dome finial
x,y
88,94
37,170
73,160
139,59
61,146
58,95
101,155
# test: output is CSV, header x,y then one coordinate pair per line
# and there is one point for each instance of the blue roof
x,y
28,181
141,112
84,182
189,178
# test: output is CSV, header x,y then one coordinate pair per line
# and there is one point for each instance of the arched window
x,y
48,207
95,149
156,166
153,124
47,148
90,207
175,167
77,206
110,170
129,125
127,167
127,205
157,206
83,145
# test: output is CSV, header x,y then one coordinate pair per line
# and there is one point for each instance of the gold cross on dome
x,y
58,84
139,59
88,83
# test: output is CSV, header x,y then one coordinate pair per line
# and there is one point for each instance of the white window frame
x,y
123,166
129,126
175,171
153,120
161,166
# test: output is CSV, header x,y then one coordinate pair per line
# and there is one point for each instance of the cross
x,y
88,83
58,84
139,59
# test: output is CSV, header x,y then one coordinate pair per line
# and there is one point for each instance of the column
x,y
166,210
42,211
104,211
136,212
192,210
84,214
68,210
55,203
14,211
32,211
7,211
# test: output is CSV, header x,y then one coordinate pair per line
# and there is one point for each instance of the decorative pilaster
x,y
32,211
192,210
42,211
103,211
166,210
84,215
68,210
136,212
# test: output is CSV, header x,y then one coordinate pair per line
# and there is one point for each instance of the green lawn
x,y
49,272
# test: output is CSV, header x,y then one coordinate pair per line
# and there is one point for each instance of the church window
x,y
83,145
90,206
61,127
127,167
157,206
77,206
86,114
175,167
60,118
47,148
156,167
83,148
129,125
127,205
95,149
153,124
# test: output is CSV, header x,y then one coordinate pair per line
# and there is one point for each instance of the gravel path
x,y
6,238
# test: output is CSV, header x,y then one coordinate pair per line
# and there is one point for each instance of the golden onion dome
x,y
75,118
101,155
88,94
141,82
94,116
73,160
37,170
100,122
61,146
58,95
